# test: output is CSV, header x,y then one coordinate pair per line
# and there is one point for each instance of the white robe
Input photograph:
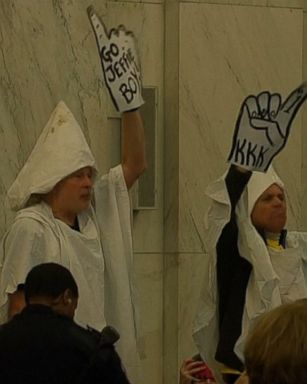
x,y
271,282
99,256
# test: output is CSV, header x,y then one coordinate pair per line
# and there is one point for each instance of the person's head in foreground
x,y
276,349
53,285
266,202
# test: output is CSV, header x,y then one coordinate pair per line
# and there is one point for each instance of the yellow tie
x,y
274,244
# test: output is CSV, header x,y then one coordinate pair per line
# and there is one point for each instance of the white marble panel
x,y
148,229
287,3
304,136
140,1
269,3
227,53
248,2
149,276
207,1
171,136
170,318
48,53
190,276
258,3
45,57
146,21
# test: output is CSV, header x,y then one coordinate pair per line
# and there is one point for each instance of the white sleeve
x,y
301,239
121,298
116,177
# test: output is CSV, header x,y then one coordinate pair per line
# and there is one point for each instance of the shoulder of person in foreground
x,y
104,364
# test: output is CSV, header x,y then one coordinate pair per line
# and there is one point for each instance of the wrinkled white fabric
x,y
99,256
121,301
36,237
269,285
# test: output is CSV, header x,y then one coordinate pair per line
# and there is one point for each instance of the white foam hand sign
x,y
120,64
263,127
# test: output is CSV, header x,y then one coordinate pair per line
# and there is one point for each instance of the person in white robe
x,y
254,264
67,213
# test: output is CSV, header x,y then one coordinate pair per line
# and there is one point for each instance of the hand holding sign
x,y
120,64
263,127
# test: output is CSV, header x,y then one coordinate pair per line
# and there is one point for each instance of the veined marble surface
x,y
304,135
190,277
258,3
34,78
149,277
48,53
227,53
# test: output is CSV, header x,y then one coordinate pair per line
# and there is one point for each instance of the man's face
x,y
74,193
270,210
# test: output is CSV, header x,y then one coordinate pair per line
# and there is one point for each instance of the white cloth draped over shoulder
x,y
276,277
99,256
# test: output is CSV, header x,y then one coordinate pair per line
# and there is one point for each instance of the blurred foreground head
x,y
276,349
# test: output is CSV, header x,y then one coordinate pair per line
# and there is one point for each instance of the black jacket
x,y
39,346
233,273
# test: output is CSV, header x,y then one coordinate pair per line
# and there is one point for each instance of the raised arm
x,y
122,77
133,146
236,180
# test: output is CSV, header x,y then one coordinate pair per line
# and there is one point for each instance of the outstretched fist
x,y
263,127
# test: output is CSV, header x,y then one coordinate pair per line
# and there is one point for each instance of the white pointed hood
x,y
60,150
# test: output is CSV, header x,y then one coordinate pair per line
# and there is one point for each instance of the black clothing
x,y
76,226
232,276
39,346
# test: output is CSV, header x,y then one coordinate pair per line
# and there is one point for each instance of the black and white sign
x,y
120,64
263,127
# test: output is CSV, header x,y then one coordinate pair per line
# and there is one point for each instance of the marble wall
x,y
204,57
226,53
304,132
48,53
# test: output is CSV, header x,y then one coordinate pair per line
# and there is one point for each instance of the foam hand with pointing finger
x,y
263,127
120,64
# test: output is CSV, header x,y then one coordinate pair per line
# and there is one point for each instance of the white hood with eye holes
x,y
60,150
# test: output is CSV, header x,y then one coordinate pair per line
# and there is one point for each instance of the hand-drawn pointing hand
x,y
120,64
263,127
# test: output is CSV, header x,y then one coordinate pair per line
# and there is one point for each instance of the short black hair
x,y
49,280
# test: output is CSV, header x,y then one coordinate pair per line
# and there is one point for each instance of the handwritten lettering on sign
x,y
263,127
249,154
116,65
